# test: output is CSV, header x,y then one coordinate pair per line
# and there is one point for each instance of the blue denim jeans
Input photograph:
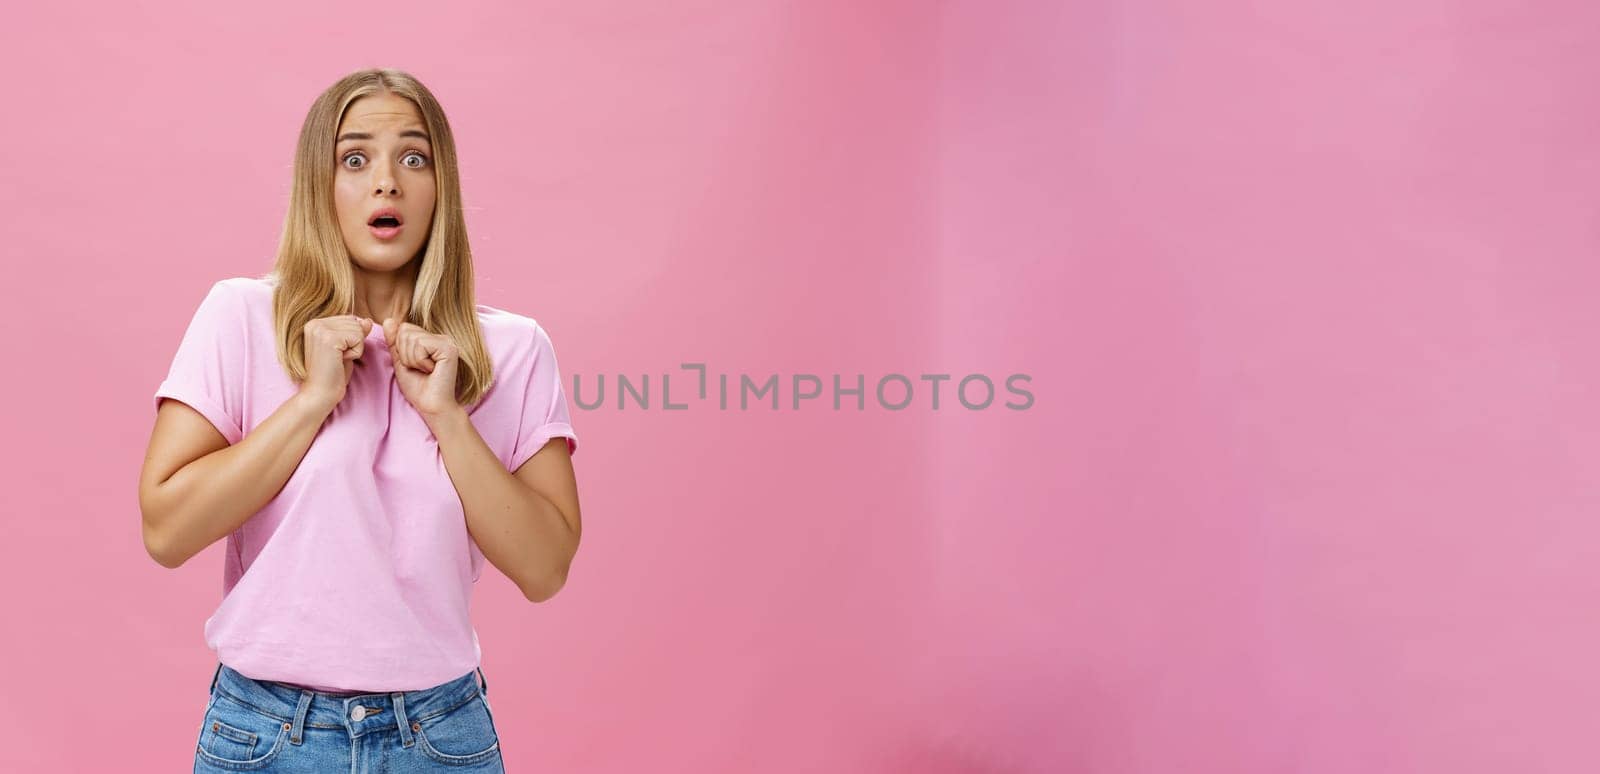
x,y
260,725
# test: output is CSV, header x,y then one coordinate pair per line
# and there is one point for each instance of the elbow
x,y
149,520
542,592
159,548
158,551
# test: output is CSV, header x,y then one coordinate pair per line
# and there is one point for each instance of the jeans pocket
x,y
235,737
461,736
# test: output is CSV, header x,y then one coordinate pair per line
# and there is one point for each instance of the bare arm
x,y
195,488
527,523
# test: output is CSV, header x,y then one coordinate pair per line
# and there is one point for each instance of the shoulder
x,y
252,290
241,292
231,301
510,335
246,301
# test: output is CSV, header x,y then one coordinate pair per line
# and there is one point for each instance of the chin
x,y
384,260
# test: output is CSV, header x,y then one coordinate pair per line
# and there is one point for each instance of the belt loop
x,y
213,688
483,682
399,698
298,732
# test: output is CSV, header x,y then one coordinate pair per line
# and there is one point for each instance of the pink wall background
x,y
1302,291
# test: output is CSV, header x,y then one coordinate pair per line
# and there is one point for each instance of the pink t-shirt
x,y
358,574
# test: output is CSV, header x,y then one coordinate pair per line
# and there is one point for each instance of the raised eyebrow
x,y
347,136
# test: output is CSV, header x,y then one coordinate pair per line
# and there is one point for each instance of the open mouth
x,y
385,223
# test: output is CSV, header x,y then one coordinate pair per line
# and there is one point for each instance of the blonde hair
x,y
313,274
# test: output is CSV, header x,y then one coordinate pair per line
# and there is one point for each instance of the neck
x,y
384,294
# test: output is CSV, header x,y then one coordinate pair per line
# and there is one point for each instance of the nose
x,y
385,180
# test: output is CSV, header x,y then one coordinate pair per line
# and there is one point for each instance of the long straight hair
x,y
313,275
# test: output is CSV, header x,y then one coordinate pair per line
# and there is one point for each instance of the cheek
x,y
346,198
427,195
425,207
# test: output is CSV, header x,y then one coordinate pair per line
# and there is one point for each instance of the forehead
x,y
381,114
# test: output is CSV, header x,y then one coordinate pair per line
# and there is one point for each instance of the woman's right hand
x,y
332,344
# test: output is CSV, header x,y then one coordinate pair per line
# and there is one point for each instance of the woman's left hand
x,y
425,366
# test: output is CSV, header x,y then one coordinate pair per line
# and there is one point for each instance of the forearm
x,y
519,530
215,494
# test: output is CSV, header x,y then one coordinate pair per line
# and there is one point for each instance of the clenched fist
x,y
332,345
424,365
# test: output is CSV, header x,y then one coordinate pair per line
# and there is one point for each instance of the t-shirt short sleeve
x,y
544,413
207,373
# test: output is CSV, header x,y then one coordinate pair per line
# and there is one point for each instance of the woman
x,y
364,435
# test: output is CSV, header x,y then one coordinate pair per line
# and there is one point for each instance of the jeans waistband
x,y
483,682
361,713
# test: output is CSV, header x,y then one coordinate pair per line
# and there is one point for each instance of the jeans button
x,y
358,713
